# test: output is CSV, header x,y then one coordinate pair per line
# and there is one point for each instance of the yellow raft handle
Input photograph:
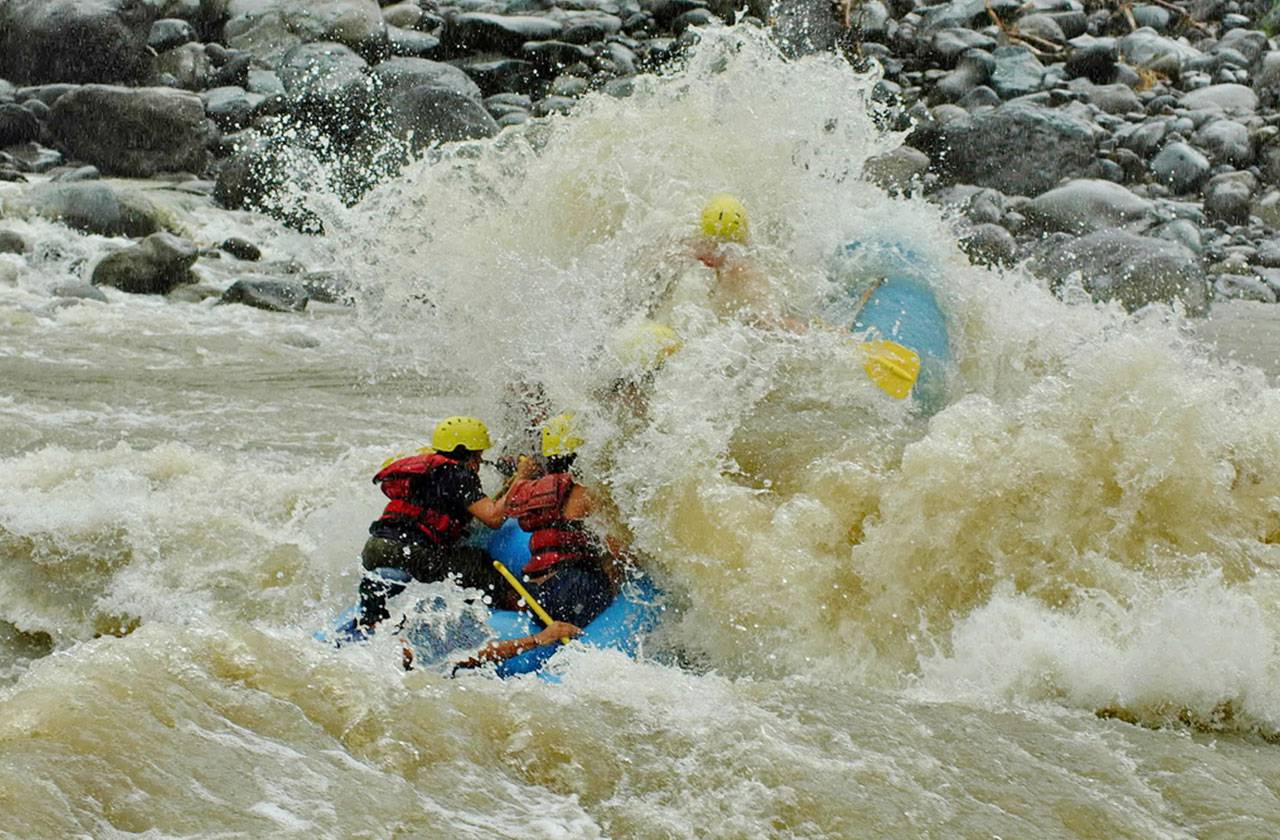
x,y
542,614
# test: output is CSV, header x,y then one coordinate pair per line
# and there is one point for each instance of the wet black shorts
x,y
576,594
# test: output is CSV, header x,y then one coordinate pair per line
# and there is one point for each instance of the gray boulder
x,y
989,244
427,115
327,84
133,131
1180,167
1148,49
189,65
947,45
403,15
271,28
1131,269
410,43
972,70
1086,205
502,75
230,108
1225,141
1018,148
1227,197
1243,287
91,207
1110,99
152,267
12,242
1230,98
168,33
17,125
75,40
272,295
396,74
895,171
1017,72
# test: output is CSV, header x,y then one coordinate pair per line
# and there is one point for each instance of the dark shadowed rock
x,y
428,115
241,249
410,43
396,74
896,170
327,287
1018,148
152,267
272,295
258,177
480,32
75,40
1131,269
989,244
1093,59
189,65
327,84
90,207
502,75
17,125
133,131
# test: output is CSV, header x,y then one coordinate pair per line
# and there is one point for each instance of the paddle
x,y
542,614
891,366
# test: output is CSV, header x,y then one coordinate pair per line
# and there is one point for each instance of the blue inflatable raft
x,y
621,626
886,293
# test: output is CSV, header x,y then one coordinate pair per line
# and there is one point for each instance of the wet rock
x,y
989,244
947,45
409,43
12,242
1250,43
503,75
272,295
1093,59
972,70
133,131
1183,231
188,65
265,82
32,157
1143,138
79,291
1017,72
17,125
326,84
1110,99
1230,98
75,41
896,171
1180,167
90,207
1085,205
427,115
1227,197
477,32
554,56
79,173
328,287
152,267
980,97
48,94
1018,148
269,29
234,73
168,33
259,176
403,15
588,29
1041,26
1131,269
1225,141
230,108
241,249
1154,17
1267,209
398,74
1243,287
1146,48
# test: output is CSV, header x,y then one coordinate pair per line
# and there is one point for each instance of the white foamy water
x,y
1047,610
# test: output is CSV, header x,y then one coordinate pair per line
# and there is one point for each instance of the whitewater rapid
x,y
1047,610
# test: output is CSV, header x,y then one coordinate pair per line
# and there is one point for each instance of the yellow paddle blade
x,y
892,367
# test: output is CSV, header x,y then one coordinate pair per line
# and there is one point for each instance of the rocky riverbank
x,y
1130,150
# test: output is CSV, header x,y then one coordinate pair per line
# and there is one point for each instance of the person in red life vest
x,y
568,571
433,496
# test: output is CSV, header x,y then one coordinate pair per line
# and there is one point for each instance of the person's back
x,y
566,571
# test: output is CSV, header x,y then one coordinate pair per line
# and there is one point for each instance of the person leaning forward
x,y
433,496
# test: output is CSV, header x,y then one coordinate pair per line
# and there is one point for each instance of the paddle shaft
x,y
542,614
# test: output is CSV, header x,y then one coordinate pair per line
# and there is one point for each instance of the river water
x,y
1047,610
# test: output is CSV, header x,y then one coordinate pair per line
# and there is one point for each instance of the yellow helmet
x,y
468,432
647,344
724,218
560,436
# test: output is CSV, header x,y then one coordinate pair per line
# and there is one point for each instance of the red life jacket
x,y
539,507
395,478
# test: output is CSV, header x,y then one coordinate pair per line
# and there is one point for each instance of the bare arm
x,y
501,649
493,511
